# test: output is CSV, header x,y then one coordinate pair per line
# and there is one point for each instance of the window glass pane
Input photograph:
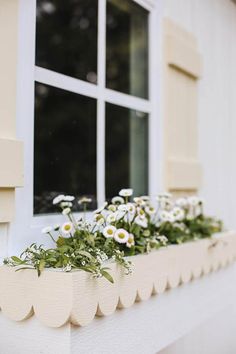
x,y
64,146
127,47
126,150
66,37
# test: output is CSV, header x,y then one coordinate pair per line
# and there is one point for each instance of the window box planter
x,y
57,298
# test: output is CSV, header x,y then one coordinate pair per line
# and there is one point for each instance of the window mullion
x,y
101,102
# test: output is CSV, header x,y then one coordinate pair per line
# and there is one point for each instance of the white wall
x,y
214,24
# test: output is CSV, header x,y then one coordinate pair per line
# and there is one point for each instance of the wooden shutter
x,y
11,150
182,69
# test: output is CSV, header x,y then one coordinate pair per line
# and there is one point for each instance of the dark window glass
x,y
127,48
66,37
64,146
126,150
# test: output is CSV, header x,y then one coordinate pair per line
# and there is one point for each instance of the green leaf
x,y
42,265
107,276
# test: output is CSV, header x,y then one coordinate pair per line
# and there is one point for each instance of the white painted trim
x,y
147,4
61,81
26,227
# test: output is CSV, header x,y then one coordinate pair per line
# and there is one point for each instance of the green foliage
x,y
119,229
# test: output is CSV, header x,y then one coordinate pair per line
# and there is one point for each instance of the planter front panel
x,y
57,298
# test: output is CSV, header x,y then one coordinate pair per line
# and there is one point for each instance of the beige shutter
x,y
182,69
11,150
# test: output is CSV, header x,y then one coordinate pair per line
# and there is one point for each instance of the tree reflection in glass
x,y
66,37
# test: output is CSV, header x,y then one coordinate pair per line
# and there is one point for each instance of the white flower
x,y
122,207
162,239
181,202
131,208
109,231
56,227
178,213
146,198
119,214
166,216
66,204
69,198
140,221
194,200
164,195
146,233
66,211
111,218
67,228
84,200
47,229
67,268
130,241
99,219
121,236
117,200
141,213
58,199
112,208
150,210
139,201
126,192
99,210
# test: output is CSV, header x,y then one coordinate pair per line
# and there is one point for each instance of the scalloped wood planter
x,y
57,298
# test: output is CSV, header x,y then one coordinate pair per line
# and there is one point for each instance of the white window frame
x,y
29,224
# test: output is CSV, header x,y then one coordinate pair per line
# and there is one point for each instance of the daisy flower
x,y
99,210
194,201
111,218
109,231
69,198
131,208
122,207
47,229
67,228
66,211
139,201
140,221
121,236
112,208
126,192
99,219
141,213
66,204
119,214
178,213
58,199
150,210
181,202
130,241
117,200
84,200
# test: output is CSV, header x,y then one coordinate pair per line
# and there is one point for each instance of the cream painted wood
x,y
57,298
146,327
11,157
213,23
11,150
182,68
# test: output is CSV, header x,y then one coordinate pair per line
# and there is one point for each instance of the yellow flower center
x,y
121,235
109,231
141,212
67,227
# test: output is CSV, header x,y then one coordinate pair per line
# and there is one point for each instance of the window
x,y
92,106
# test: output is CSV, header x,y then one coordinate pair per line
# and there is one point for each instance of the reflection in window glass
x,y
127,48
66,37
64,146
126,150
